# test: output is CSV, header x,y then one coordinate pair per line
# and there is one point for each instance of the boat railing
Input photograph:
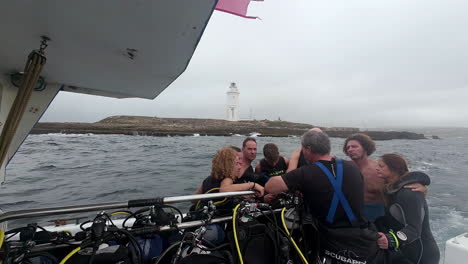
x,y
19,214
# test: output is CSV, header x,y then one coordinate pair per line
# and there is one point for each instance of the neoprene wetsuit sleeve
x,y
294,180
412,205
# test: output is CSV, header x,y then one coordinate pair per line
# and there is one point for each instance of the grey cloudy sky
x,y
363,63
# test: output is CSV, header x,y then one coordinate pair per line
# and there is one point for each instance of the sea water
x,y
58,169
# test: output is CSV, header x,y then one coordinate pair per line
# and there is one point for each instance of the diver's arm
x,y
291,181
419,182
417,187
294,160
227,185
276,185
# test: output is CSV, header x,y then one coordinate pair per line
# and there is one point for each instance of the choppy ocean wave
x,y
57,170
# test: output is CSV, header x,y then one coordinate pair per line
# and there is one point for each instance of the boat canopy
x,y
115,48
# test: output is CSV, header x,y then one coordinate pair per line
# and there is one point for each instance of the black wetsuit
x,y
247,176
210,183
318,192
407,216
270,171
342,239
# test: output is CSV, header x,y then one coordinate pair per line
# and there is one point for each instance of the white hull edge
x,y
456,250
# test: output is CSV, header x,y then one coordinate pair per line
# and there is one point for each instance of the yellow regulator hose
x,y
304,260
69,255
234,215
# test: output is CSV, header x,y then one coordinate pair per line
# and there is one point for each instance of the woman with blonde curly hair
x,y
225,170
225,164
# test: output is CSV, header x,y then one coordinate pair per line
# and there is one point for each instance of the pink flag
x,y
235,7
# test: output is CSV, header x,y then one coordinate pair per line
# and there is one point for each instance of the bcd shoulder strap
x,y
338,196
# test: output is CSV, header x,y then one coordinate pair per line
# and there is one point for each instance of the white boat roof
x,y
90,41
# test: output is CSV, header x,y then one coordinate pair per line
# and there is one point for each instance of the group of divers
x,y
363,210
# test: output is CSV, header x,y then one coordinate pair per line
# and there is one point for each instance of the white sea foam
x,y
68,135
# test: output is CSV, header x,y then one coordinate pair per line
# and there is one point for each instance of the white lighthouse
x,y
232,106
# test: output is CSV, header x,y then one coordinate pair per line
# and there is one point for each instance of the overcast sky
x,y
362,63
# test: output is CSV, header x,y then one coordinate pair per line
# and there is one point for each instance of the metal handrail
x,y
18,214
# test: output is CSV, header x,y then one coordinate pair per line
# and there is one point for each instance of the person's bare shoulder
x,y
371,168
373,182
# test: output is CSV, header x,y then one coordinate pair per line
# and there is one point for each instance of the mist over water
x,y
59,170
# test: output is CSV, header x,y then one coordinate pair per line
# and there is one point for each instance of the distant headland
x,y
155,126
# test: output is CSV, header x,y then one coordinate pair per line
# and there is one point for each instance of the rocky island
x,y
155,126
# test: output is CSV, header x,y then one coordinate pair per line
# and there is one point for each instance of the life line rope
x,y
32,71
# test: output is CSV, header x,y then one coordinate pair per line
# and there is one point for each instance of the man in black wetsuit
x,y
272,165
333,193
249,153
